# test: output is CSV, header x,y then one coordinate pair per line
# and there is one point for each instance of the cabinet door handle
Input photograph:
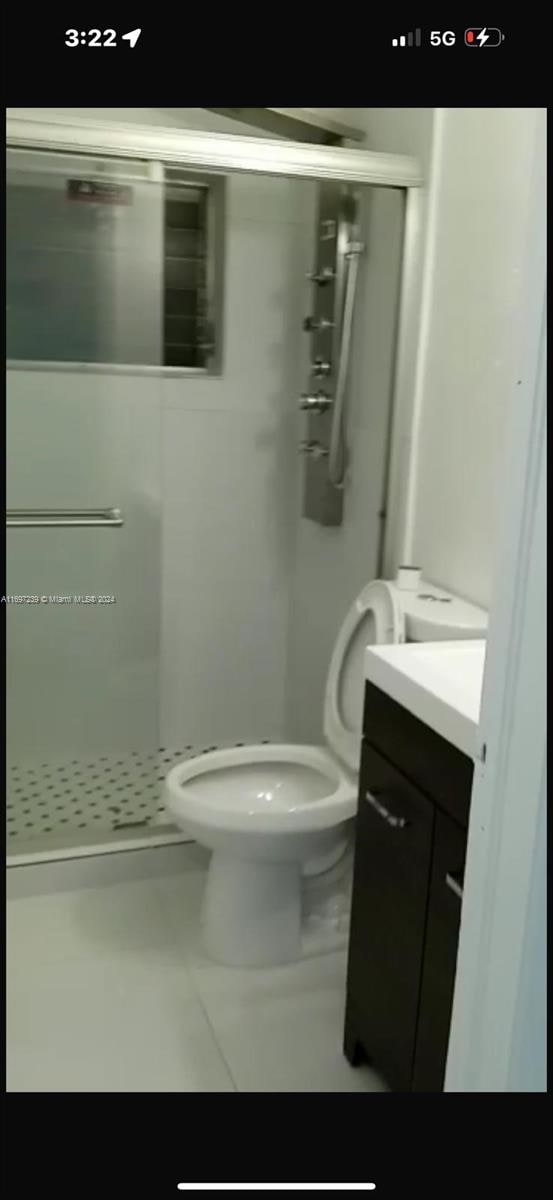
x,y
395,822
454,885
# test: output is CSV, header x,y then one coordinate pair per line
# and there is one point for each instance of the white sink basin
x,y
439,682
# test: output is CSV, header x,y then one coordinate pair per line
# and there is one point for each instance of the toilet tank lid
x,y
433,614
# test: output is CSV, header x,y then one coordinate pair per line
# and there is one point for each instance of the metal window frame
x,y
219,154
214,185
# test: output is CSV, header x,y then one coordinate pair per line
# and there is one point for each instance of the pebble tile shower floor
x,y
110,793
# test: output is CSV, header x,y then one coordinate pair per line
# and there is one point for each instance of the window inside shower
x,y
113,263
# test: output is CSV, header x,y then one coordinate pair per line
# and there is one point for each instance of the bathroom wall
x,y
528,1066
391,130
475,263
448,450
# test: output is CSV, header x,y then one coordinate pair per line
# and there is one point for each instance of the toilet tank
x,y
435,615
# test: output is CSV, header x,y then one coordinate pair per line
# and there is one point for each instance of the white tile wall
x,y
226,574
229,470
478,254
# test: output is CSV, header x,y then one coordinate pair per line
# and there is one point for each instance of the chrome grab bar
x,y
36,518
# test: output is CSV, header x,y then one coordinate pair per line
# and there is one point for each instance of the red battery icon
x,y
483,36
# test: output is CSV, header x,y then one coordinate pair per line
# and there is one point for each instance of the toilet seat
x,y
262,789
375,617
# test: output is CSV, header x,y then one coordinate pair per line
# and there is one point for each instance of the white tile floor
x,y
108,990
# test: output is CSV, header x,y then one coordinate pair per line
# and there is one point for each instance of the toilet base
x,y
258,914
251,911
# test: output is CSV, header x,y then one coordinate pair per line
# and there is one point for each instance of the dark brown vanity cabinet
x,y
414,795
440,955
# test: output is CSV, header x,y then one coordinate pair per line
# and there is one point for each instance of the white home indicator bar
x,y
276,1187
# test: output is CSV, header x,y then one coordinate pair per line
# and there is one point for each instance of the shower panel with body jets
x,y
338,250
334,279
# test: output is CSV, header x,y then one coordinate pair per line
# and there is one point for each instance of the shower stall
x,y
210,338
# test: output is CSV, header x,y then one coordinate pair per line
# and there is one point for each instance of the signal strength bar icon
x,y
408,39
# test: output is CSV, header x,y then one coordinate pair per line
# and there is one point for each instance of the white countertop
x,y
438,682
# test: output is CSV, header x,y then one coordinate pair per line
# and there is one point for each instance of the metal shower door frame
x,y
218,153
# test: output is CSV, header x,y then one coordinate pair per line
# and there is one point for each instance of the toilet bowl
x,y
273,815
264,811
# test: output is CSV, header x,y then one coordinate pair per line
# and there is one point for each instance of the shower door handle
x,y
63,518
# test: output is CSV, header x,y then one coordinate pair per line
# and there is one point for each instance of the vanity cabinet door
x,y
391,877
440,955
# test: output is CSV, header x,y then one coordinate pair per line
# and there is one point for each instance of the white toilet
x,y
273,814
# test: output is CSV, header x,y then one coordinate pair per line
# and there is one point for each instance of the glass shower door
x,y
83,498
